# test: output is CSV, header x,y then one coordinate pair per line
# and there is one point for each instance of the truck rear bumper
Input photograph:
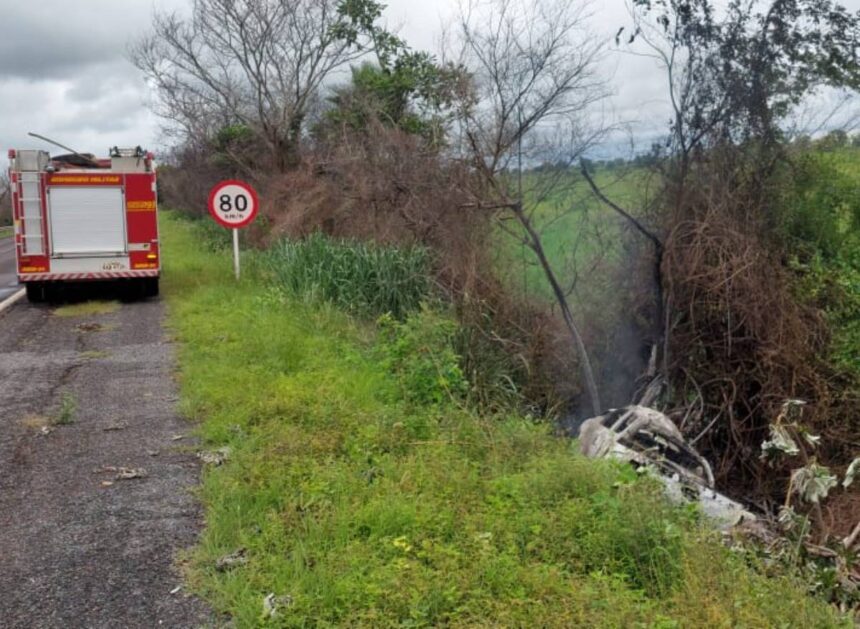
x,y
84,277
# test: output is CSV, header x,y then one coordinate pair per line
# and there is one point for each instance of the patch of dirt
x,y
35,422
841,509
93,355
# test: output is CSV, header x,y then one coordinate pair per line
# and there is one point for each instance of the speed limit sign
x,y
233,203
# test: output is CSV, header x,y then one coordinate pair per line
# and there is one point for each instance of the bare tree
x,y
5,199
257,64
534,69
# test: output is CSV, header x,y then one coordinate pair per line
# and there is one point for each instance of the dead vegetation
x,y
420,152
390,187
754,345
741,342
738,340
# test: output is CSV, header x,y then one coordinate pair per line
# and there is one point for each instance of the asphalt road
x,y
8,275
78,546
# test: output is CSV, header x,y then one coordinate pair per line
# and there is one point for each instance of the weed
x,y
87,308
362,278
420,352
93,355
92,327
68,408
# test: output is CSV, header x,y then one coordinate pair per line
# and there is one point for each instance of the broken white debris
x,y
234,559
272,604
215,457
648,439
124,473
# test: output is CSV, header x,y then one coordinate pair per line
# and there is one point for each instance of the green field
x,y
581,236
602,264
356,502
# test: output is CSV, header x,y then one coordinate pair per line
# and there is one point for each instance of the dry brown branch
x,y
740,341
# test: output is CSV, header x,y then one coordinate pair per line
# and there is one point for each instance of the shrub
x,y
833,285
213,236
822,202
420,352
822,208
361,278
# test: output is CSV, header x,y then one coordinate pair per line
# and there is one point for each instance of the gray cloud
x,y
63,70
55,40
64,73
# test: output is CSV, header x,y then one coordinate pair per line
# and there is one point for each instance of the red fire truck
x,y
82,219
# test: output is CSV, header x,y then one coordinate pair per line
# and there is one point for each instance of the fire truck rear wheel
x,y
151,287
35,292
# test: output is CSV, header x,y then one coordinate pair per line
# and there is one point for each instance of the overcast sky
x,y
64,72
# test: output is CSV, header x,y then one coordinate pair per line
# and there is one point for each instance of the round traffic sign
x,y
233,203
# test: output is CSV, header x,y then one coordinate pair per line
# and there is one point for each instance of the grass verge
x,y
353,504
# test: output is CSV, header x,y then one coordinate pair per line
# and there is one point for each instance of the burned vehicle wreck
x,y
649,440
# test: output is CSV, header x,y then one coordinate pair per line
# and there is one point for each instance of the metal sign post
x,y
234,205
236,252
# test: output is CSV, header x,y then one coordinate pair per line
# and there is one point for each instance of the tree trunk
x,y
534,243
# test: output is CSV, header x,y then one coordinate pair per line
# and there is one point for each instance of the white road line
x,y
11,300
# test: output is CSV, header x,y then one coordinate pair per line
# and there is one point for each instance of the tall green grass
x,y
359,504
358,277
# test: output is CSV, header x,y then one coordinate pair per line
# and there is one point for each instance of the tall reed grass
x,y
362,278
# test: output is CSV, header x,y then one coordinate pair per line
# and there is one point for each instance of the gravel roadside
x,y
80,547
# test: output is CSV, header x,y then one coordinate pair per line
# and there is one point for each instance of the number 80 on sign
x,y
233,204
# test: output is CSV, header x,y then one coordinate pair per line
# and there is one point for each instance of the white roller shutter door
x,y
87,220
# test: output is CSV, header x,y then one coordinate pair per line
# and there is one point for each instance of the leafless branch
x,y
534,68
235,62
